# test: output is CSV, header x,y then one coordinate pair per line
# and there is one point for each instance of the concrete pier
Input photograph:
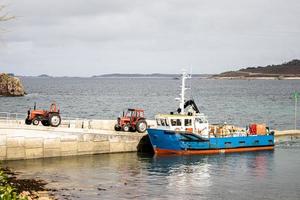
x,y
19,141
286,135
77,137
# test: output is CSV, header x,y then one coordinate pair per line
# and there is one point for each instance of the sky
x,y
93,37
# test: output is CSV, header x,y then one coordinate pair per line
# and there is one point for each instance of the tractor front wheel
x,y
126,128
54,119
35,121
141,126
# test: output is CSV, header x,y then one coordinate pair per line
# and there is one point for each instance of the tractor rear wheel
x,y
54,119
45,123
35,121
141,126
126,128
132,129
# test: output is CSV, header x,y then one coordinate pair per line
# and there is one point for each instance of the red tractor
x,y
132,120
47,118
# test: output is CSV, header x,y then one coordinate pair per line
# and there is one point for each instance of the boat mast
x,y
183,88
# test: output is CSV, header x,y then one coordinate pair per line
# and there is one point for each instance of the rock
x,y
11,86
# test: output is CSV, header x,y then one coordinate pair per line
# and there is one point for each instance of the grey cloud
x,y
97,36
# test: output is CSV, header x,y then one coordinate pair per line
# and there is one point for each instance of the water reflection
x,y
201,175
131,175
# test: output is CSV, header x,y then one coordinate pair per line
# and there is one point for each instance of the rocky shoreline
x,y
29,189
11,86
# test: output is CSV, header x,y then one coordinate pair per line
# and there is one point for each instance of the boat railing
x,y
226,130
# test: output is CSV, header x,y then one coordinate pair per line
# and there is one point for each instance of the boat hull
x,y
171,142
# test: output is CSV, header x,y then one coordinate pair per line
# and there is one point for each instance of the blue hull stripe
x,y
171,140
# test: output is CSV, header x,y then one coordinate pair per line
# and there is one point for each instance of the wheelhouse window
x,y
163,122
167,122
158,122
176,122
188,122
199,120
173,122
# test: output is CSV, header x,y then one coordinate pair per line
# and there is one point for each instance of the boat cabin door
x,y
201,126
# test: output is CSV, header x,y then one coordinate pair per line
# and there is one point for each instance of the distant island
x,y
288,70
44,76
120,75
154,75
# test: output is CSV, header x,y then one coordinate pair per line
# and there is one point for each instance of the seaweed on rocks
x,y
24,188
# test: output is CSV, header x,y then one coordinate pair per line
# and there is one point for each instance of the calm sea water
x,y
233,101
253,175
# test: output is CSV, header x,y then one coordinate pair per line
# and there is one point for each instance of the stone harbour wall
x,y
28,142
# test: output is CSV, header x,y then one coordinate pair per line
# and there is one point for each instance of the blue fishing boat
x,y
188,132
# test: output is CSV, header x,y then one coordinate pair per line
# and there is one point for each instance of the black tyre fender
x,y
28,121
54,119
117,127
141,126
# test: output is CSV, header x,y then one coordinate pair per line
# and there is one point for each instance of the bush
x,y
8,192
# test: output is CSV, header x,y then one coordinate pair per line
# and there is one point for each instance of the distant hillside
x,y
292,67
288,69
